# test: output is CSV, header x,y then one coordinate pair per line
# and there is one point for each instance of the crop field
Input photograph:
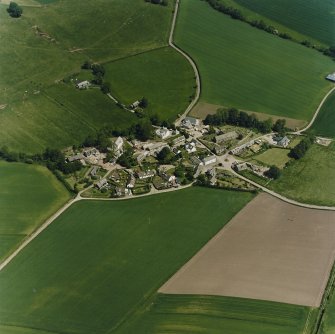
x,y
47,44
28,195
310,179
315,19
324,124
100,261
274,156
249,69
162,76
183,314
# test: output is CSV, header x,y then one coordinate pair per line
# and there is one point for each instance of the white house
x,y
163,133
331,77
83,84
135,104
190,147
209,160
282,141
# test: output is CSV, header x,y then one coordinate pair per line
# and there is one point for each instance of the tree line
x,y
260,24
233,116
298,151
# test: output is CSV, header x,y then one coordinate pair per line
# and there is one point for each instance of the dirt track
x,y
271,250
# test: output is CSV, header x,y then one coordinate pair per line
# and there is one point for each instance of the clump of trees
x,y
273,172
298,151
158,2
99,72
240,118
14,10
126,159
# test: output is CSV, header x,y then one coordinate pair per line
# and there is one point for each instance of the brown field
x,y
271,250
202,109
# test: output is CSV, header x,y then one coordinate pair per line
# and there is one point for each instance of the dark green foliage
x,y
144,102
239,118
55,160
279,126
274,172
165,156
232,12
300,150
14,10
87,65
98,70
158,2
126,159
106,87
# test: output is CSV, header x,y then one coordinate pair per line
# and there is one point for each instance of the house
x,y
94,170
83,84
154,147
331,77
225,137
282,141
131,181
240,166
75,157
190,122
163,133
146,174
178,141
239,149
118,144
135,104
209,160
101,184
190,147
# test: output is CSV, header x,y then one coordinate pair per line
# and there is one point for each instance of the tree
x,y
106,88
144,103
14,10
279,126
98,70
274,172
87,65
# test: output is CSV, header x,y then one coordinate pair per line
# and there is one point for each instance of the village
x,y
175,158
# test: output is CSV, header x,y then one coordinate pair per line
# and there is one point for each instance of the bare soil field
x,y
271,250
202,109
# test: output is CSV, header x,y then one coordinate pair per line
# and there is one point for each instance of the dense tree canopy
x,y
14,10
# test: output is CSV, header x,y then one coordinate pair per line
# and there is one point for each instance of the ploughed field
x,y
248,68
101,261
28,196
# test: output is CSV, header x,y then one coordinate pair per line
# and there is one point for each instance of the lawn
x,y
101,261
182,314
310,179
47,44
162,76
274,156
29,194
250,69
315,19
324,124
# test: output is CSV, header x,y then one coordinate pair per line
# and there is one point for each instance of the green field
x,y
28,195
328,323
49,43
315,19
310,179
324,124
101,261
162,76
250,69
182,314
274,156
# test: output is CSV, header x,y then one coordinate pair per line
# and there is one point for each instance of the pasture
x,y
310,179
315,19
262,254
162,76
29,194
274,156
324,124
250,69
101,261
328,323
188,314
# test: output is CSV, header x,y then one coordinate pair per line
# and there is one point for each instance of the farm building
x,y
75,157
226,136
146,175
83,84
239,149
163,133
209,160
179,141
118,144
135,104
331,77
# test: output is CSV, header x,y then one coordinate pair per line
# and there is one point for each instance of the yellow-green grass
x,y
20,330
57,117
274,156
328,321
248,68
310,179
162,76
324,124
315,19
182,314
101,261
29,194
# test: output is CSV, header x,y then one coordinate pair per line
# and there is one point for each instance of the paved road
x,y
190,60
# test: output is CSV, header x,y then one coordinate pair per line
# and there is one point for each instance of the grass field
x,y
310,179
28,195
328,323
162,76
182,314
100,261
247,68
274,156
324,124
47,44
315,19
